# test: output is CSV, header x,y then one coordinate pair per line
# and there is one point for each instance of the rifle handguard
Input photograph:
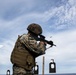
x,y
42,38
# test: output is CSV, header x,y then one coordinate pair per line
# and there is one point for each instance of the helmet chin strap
x,y
32,33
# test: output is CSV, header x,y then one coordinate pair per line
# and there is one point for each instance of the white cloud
x,y
72,2
63,53
1,46
5,52
65,15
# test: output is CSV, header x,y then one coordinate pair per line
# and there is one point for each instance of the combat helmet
x,y
35,28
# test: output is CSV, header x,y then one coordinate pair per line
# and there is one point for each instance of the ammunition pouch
x,y
21,56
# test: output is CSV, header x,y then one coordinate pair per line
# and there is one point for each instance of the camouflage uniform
x,y
21,71
26,49
24,53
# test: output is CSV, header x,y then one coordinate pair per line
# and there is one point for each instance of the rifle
x,y
42,38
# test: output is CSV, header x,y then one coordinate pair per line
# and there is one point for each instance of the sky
x,y
58,21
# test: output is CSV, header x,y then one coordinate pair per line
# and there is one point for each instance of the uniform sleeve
x,y
32,44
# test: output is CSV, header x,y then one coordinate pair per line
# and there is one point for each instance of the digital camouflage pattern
x,y
21,71
25,51
20,56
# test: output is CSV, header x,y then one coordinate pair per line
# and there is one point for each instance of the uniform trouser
x,y
21,71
